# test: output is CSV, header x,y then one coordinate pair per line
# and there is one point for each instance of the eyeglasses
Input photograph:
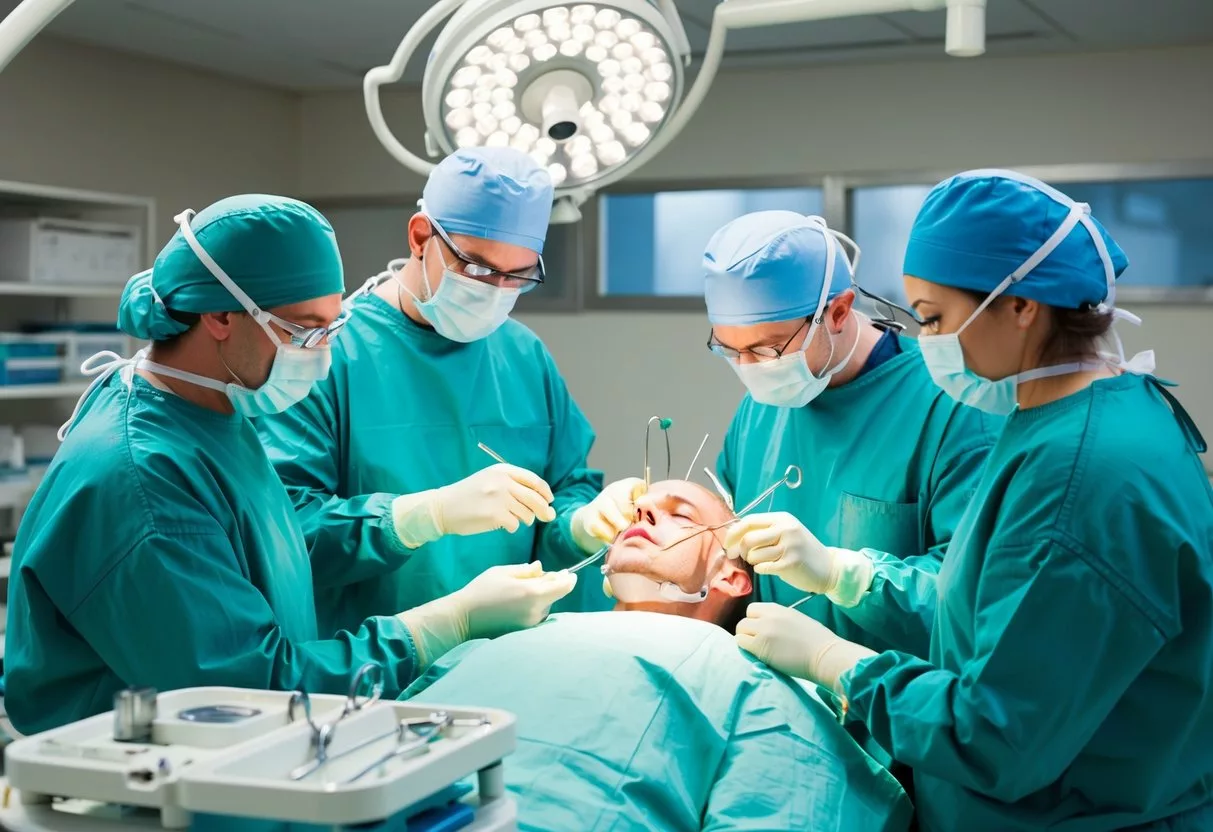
x,y
309,337
525,280
761,353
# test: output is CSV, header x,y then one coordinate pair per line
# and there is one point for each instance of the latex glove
x,y
498,497
499,600
600,521
778,544
792,643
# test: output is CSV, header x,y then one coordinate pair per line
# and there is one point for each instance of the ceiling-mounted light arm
x,y
392,72
749,14
682,44
23,22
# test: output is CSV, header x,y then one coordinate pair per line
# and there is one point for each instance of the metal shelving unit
x,y
25,302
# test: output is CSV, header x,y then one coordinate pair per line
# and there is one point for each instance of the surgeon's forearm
x,y
899,607
349,539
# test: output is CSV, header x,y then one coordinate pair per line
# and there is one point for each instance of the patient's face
x,y
669,512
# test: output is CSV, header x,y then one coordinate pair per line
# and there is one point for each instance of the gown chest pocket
x,y
880,525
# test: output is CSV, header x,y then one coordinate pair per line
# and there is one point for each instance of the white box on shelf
x,y
54,251
79,346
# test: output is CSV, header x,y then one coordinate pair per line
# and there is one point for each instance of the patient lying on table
x,y
650,717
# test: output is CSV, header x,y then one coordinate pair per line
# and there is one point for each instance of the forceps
x,y
322,735
412,739
792,478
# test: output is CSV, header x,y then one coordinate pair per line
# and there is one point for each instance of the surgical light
x,y
550,61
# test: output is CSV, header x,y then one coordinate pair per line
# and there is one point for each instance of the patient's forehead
x,y
706,501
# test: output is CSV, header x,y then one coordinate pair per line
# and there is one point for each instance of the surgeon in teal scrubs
x,y
161,549
889,461
398,503
1070,678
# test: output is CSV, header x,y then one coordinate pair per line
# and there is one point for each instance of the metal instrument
x,y
792,478
412,739
218,714
322,735
134,713
665,425
491,453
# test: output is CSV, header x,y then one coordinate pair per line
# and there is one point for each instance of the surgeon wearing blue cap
x,y
889,460
1069,683
161,549
398,502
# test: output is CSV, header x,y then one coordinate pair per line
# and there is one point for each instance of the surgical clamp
x,y
322,735
410,741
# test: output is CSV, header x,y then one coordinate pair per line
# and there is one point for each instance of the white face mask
x,y
944,355
463,309
787,381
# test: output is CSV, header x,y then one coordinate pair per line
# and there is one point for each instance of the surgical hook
x,y
664,424
792,478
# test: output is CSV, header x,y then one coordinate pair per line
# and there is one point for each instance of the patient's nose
x,y
645,511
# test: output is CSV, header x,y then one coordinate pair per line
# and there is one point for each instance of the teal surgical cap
x,y
769,266
278,250
978,227
494,193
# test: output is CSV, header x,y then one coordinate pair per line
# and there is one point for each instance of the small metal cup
x,y
134,713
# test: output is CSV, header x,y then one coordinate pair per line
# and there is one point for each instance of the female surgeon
x,y
1070,679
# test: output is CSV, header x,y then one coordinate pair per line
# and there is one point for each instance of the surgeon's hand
x,y
778,544
506,598
499,600
498,497
601,520
792,643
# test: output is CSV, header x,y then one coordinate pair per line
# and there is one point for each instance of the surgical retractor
x,y
792,478
665,425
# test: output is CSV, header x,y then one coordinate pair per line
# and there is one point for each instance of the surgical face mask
x,y
463,309
787,381
944,355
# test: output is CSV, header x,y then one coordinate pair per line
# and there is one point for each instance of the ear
x,y
219,324
840,308
419,233
732,581
1025,311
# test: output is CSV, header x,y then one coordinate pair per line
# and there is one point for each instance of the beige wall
x,y
1130,107
80,117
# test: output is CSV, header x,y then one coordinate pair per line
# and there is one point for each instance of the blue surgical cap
x,y
278,250
769,266
978,227
494,193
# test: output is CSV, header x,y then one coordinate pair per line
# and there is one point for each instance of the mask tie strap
x,y
100,366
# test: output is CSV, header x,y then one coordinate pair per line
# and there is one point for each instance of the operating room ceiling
x,y
329,44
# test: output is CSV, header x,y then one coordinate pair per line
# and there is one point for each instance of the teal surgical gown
x,y
1070,681
162,550
889,463
402,411
680,731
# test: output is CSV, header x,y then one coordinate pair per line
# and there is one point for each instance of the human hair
x,y
1073,333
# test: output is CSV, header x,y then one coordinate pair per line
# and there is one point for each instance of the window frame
x,y
1061,175
594,299
567,300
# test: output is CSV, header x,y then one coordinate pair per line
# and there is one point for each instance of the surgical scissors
x,y
322,735
792,478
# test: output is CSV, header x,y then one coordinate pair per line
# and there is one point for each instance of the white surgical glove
x,y
792,643
778,544
499,600
498,497
599,521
